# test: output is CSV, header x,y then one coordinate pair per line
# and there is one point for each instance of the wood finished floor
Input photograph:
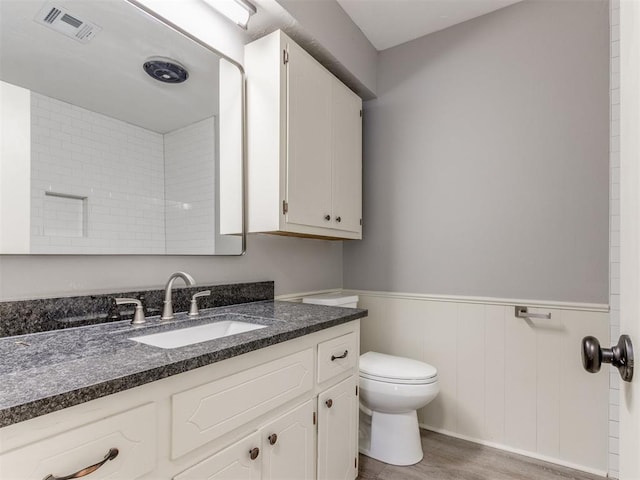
x,y
448,458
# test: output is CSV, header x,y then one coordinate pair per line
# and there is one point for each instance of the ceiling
x,y
105,75
387,23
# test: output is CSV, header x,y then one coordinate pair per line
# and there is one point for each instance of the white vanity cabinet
x,y
261,415
304,144
338,409
125,442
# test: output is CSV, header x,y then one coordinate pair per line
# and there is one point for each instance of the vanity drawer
x,y
206,412
337,355
132,433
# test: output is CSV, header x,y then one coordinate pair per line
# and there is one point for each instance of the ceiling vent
x,y
61,20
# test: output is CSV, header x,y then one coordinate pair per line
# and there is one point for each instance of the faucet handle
x,y
193,310
138,316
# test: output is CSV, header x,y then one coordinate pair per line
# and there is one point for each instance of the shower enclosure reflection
x,y
119,134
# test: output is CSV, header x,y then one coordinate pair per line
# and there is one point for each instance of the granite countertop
x,y
48,371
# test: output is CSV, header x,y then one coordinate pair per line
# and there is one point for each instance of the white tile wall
x,y
113,164
504,381
189,195
614,230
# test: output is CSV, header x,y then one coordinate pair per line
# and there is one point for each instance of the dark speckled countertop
x,y
48,371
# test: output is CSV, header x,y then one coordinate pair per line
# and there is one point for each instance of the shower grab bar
x,y
522,312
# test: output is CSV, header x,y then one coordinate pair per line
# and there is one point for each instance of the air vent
x,y
65,22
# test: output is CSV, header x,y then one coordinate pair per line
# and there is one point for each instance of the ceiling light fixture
x,y
239,11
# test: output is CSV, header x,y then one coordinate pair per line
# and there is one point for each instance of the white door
x,y
347,159
337,427
308,140
630,230
289,445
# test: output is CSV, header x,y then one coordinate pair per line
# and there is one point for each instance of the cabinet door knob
x,y
338,219
253,453
327,217
329,403
273,438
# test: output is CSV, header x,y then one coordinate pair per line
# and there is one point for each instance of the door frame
x,y
630,229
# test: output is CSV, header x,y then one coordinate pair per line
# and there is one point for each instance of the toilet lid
x,y
390,368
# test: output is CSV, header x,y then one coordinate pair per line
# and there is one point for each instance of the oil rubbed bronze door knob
x,y
620,356
273,438
327,217
329,403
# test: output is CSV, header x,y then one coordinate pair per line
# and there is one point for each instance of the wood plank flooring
x,y
448,458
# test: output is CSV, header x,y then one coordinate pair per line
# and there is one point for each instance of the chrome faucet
x,y
167,311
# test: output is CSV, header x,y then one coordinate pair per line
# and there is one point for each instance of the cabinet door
x,y
289,446
309,140
347,159
232,463
337,429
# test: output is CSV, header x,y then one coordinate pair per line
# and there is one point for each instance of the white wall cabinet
x,y
304,144
262,415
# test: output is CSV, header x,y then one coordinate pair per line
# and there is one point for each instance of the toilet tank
x,y
333,299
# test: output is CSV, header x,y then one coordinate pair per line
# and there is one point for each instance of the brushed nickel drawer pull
x,y
344,355
113,453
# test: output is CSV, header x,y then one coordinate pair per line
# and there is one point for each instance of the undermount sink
x,y
202,333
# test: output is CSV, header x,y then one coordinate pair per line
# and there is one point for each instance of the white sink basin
x,y
201,333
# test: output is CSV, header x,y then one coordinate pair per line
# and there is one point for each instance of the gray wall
x,y
332,30
296,265
486,159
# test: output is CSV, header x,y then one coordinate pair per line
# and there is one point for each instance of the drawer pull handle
x,y
273,438
253,453
344,355
329,403
113,453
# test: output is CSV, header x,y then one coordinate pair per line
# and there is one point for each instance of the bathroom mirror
x,y
119,134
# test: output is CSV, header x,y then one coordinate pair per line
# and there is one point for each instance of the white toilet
x,y
392,389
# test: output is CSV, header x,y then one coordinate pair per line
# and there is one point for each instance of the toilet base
x,y
392,438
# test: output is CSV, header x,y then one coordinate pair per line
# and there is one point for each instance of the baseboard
x,y
517,451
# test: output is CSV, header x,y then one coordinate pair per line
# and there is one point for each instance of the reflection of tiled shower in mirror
x,y
101,185
122,164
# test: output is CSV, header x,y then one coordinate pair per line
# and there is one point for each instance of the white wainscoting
x,y
505,382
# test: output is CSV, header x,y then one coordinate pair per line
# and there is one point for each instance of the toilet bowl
x,y
391,390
